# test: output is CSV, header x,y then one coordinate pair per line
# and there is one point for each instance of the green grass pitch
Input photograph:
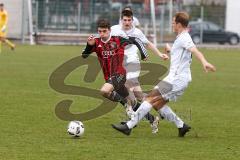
x,y
30,130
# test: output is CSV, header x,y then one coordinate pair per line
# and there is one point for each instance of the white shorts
x,y
172,88
133,70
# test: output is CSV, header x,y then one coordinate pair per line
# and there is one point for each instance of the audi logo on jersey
x,y
107,54
109,49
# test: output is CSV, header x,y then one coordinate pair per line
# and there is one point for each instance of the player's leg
x,y
130,91
9,43
167,113
130,72
133,71
178,86
133,84
135,88
5,40
177,89
135,91
108,91
116,91
154,99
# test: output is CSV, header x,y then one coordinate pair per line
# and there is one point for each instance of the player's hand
x,y
167,49
91,40
164,56
209,67
145,59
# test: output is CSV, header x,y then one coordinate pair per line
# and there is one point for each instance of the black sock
x,y
123,103
136,106
117,98
149,117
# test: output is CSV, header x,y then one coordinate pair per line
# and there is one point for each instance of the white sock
x,y
169,115
144,108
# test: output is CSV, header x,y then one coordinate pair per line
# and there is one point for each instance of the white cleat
x,y
130,112
154,125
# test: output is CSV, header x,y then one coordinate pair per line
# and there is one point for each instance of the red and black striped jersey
x,y
111,54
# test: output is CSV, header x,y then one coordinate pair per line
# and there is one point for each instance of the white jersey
x,y
181,57
131,50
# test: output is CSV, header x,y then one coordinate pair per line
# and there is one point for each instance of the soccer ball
x,y
75,128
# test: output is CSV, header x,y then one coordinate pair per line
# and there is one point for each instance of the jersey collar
x,y
110,35
184,31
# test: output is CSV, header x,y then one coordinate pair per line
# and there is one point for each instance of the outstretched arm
x,y
154,49
206,65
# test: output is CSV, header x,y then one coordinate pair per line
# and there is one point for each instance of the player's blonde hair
x,y
182,18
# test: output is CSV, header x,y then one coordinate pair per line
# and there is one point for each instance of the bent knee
x,y
104,93
151,100
153,97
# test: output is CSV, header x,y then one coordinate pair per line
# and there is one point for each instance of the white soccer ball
x,y
75,128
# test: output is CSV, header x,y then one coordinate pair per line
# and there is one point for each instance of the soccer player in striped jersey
x,y
178,78
3,28
110,52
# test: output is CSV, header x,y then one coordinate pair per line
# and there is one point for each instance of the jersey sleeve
x,y
88,50
141,36
117,31
138,43
187,42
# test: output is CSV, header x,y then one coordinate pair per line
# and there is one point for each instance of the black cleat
x,y
122,128
124,122
182,131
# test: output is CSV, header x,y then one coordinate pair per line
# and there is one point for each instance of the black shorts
x,y
118,82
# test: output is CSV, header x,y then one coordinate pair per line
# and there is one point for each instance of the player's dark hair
x,y
126,13
1,4
103,23
182,18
